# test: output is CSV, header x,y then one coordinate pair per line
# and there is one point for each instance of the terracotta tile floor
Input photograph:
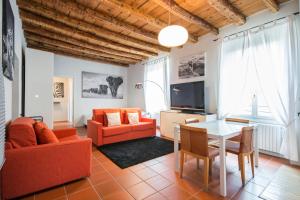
x,y
156,180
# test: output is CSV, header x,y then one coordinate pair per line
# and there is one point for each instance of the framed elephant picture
x,y
96,85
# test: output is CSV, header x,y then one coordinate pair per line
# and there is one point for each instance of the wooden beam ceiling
x,y
78,34
60,51
126,8
225,8
175,9
272,5
46,33
97,17
90,28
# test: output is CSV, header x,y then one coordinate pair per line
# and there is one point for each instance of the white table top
x,y
221,128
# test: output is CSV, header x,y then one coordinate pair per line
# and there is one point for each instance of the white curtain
x,y
272,54
155,85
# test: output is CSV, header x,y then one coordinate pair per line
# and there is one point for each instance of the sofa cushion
x,y
142,126
21,133
99,115
38,127
131,110
69,138
113,119
47,136
116,130
133,118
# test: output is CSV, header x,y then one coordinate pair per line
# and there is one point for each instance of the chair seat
x,y
233,147
212,152
213,142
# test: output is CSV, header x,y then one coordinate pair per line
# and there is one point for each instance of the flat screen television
x,y
188,96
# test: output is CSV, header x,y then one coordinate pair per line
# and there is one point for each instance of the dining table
x,y
220,130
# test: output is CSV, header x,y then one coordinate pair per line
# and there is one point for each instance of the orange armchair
x,y
37,167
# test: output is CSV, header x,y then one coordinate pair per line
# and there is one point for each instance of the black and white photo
x,y
96,85
8,40
191,66
58,90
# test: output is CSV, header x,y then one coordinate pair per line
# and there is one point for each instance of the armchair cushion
x,y
47,136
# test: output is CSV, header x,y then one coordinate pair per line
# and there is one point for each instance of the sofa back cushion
x,y
124,111
47,136
21,133
99,115
38,127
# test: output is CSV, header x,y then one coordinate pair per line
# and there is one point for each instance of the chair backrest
x,y
246,144
246,121
194,140
191,120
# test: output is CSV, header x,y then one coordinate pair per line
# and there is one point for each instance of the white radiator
x,y
270,138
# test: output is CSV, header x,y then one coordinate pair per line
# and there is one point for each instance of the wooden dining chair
x,y
242,149
237,138
194,142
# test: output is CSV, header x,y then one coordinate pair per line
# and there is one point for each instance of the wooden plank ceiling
x,y
125,32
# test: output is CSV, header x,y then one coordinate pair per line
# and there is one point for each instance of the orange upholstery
x,y
37,167
21,133
116,130
38,127
101,134
47,137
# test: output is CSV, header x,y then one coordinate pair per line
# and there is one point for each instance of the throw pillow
x,y
38,127
133,118
113,119
47,136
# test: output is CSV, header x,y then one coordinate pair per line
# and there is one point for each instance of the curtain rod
x,y
296,13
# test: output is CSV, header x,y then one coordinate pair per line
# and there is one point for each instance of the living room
x,y
150,99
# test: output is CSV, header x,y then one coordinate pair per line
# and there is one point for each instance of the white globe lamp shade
x,y
173,36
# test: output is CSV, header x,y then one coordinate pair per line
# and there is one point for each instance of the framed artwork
x,y
96,85
192,66
58,90
8,37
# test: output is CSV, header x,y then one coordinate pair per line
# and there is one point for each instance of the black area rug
x,y
129,153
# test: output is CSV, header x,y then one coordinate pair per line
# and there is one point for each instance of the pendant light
x,y
172,35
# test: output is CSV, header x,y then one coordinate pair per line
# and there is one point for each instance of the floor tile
x,y
141,190
159,167
158,182
88,193
244,195
107,188
51,194
137,167
77,186
121,195
100,177
128,180
146,173
253,188
175,193
150,162
156,196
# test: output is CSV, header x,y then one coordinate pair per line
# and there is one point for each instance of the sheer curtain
x,y
271,55
155,85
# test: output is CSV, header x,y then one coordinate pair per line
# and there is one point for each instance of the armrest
x,y
94,131
38,167
150,120
60,133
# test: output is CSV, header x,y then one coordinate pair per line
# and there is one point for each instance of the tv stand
x,y
170,118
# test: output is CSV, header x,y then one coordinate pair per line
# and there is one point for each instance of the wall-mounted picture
x,y
58,90
95,85
8,34
192,66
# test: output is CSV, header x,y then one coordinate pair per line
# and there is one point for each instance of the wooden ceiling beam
x,y
78,34
66,52
46,33
272,5
98,17
75,48
87,27
175,9
225,8
130,10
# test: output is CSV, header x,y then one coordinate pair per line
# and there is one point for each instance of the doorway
x,y
62,102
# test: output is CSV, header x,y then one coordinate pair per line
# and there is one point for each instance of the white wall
x,y
39,84
211,48
61,106
13,88
71,68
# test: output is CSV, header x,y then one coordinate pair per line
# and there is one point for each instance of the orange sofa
x,y
35,167
101,134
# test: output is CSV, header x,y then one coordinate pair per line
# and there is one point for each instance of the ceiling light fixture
x,y
172,35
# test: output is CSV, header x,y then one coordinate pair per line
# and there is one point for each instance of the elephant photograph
x,y
96,85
